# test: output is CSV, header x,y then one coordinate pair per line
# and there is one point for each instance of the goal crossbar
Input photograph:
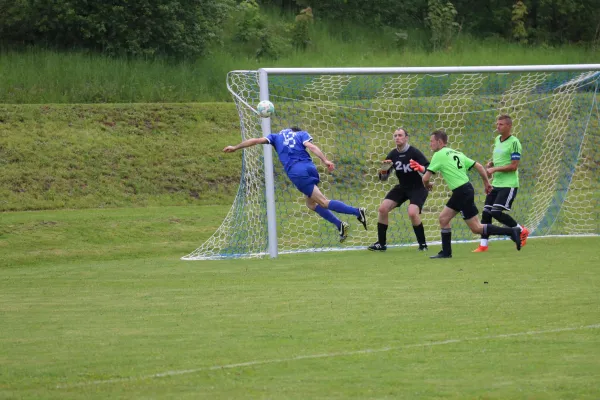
x,y
430,70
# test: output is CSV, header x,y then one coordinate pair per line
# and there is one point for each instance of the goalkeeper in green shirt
x,y
454,166
504,167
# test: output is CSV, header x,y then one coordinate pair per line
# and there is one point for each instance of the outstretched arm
x,y
246,143
483,173
317,152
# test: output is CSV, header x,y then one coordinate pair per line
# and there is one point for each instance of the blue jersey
x,y
289,146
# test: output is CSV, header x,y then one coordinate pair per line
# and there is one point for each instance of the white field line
x,y
362,248
314,356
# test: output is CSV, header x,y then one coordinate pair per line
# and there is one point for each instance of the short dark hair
x,y
505,117
403,130
295,129
440,135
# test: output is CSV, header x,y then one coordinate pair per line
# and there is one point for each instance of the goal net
x,y
352,113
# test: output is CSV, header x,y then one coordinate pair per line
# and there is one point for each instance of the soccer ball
x,y
265,109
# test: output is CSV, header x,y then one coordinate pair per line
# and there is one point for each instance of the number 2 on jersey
x,y
458,164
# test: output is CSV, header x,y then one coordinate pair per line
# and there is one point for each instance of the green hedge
x,y
179,28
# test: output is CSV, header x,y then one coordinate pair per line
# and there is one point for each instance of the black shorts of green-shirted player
x,y
410,188
504,167
454,166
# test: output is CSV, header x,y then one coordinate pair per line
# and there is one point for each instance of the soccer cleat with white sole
x,y
344,228
362,218
377,247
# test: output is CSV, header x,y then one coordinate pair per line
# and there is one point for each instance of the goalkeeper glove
x,y
416,166
384,172
383,175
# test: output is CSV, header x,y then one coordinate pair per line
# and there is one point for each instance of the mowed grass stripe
x,y
94,311
327,355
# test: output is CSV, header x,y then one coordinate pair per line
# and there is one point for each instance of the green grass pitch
x,y
96,304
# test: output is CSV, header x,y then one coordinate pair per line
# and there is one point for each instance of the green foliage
x,y
14,18
255,36
178,28
301,29
487,18
188,28
400,39
560,21
249,23
548,21
518,19
374,14
272,45
441,21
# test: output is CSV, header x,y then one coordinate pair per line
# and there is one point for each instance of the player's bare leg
x,y
319,198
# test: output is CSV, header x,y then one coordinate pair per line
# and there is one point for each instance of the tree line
x,y
189,28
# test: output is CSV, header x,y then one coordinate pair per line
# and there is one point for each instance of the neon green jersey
x,y
504,152
453,165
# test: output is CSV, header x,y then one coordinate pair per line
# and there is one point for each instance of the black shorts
x,y
500,198
417,196
463,201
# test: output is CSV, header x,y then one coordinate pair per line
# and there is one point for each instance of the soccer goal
x,y
352,113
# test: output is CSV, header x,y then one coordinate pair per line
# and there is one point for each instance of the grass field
x,y
96,304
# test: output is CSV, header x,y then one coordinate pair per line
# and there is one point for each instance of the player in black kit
x,y
410,188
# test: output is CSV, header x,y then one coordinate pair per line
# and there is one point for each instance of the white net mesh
x,y
352,119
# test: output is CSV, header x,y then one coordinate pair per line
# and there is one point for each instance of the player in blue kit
x,y
290,145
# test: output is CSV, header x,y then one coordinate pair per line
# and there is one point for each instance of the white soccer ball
x,y
265,109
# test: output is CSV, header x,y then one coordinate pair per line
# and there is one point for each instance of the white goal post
x,y
351,114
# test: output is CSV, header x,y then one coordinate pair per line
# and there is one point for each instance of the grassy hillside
x,y
82,156
39,76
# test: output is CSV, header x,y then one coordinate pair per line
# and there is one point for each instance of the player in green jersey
x,y
454,166
504,167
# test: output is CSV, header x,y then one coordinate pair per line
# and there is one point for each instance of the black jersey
x,y
400,161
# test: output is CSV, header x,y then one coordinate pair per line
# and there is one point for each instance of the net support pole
x,y
263,83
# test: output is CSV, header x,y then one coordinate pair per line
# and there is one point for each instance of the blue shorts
x,y
305,177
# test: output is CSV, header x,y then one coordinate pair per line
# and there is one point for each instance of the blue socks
x,y
328,216
340,207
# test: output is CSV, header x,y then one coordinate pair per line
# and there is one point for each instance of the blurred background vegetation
x,y
76,51
124,103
